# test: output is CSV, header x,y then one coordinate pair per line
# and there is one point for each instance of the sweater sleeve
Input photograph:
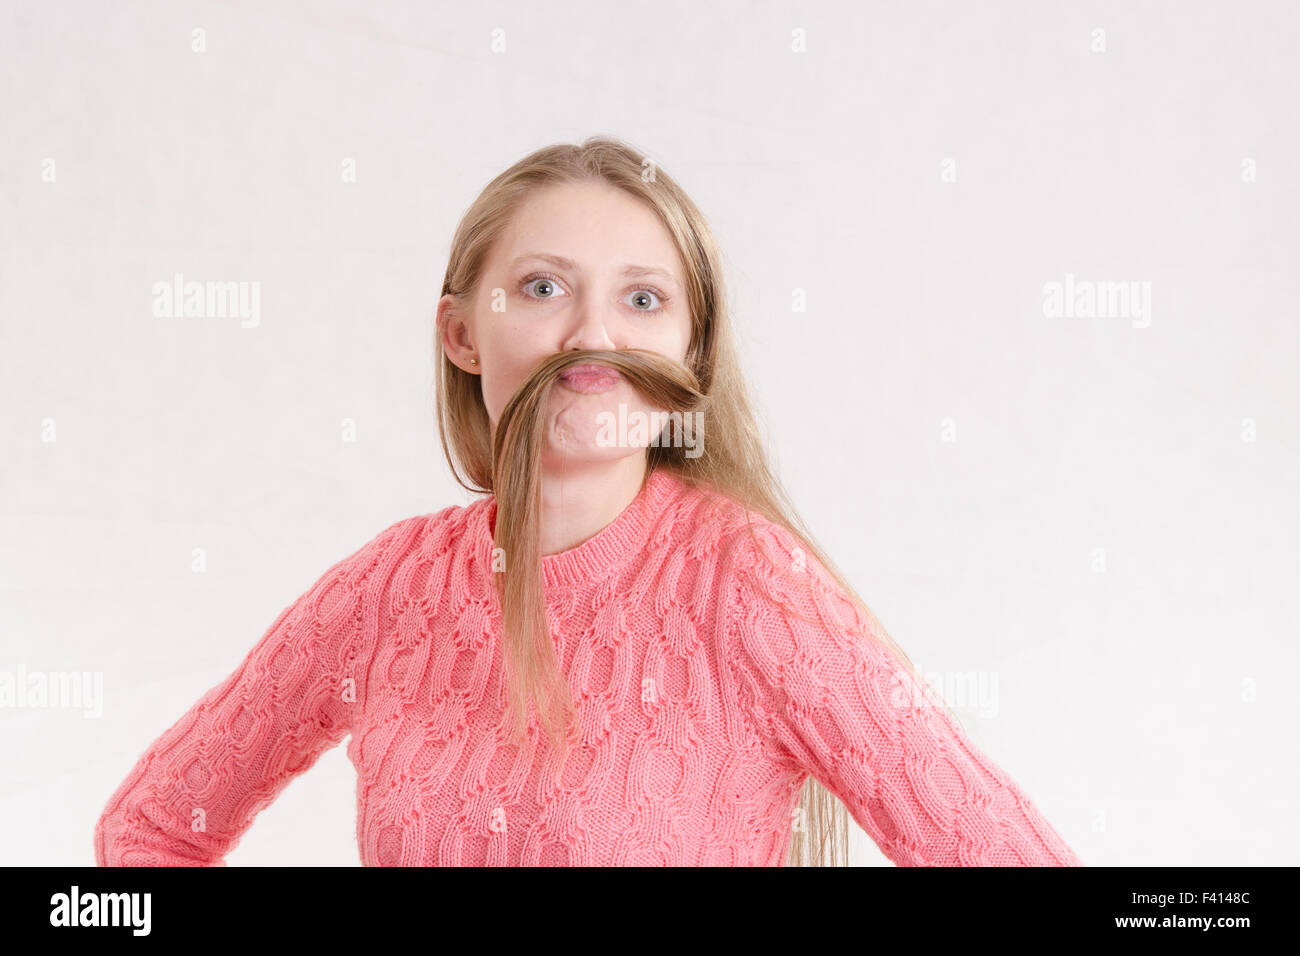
x,y
198,787
827,697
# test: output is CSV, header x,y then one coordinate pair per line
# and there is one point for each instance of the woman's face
x,y
581,266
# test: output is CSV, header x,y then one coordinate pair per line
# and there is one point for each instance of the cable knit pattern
x,y
704,703
828,698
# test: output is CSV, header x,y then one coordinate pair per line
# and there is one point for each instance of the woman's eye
x,y
641,300
544,288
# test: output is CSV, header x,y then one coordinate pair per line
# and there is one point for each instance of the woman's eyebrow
x,y
566,263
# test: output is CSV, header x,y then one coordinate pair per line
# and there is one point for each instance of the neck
x,y
578,503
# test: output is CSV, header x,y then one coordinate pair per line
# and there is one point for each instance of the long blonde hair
x,y
734,461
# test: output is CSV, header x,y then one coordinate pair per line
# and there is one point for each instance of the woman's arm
x,y
194,792
827,697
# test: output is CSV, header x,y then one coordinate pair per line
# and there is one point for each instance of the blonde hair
x,y
734,460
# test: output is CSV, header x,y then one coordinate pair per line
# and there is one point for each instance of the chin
x,y
571,455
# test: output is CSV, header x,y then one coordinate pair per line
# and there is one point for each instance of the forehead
x,y
599,227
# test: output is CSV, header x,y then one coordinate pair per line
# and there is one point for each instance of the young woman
x,y
629,650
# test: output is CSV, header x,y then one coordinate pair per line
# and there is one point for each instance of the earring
x,y
473,361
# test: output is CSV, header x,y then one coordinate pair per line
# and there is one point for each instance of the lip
x,y
590,379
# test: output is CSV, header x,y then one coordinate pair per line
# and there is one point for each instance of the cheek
x,y
676,342
496,392
500,385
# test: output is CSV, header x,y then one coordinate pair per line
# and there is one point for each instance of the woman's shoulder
x,y
751,548
763,562
721,522
433,531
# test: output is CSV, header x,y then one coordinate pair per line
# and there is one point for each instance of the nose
x,y
590,330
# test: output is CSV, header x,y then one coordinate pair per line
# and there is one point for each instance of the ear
x,y
455,335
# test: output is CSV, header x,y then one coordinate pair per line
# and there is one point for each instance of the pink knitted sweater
x,y
704,705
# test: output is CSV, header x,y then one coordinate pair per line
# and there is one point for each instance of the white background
x,y
1141,702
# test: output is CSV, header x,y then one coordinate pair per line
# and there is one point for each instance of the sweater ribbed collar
x,y
608,549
